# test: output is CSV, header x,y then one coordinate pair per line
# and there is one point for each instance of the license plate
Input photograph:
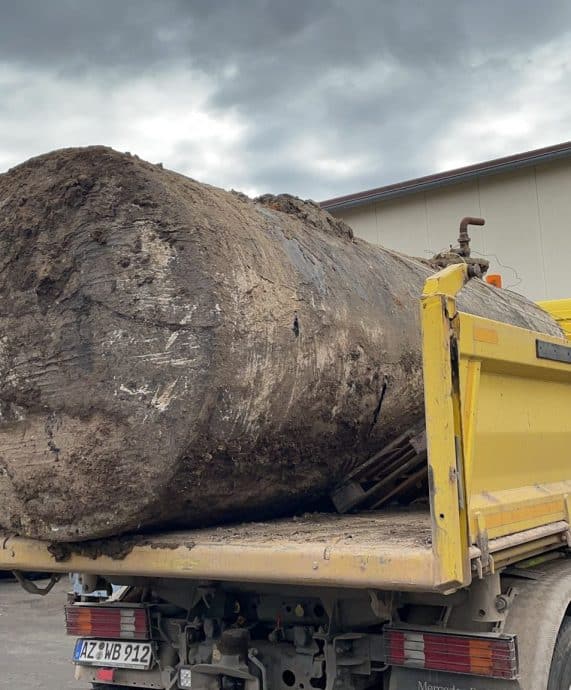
x,y
112,653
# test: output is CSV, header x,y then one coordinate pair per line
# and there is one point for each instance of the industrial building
x,y
525,200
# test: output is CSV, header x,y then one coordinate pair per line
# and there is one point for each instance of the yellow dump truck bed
x,y
362,550
498,436
389,549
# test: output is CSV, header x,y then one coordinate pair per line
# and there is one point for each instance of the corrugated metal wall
x,y
527,231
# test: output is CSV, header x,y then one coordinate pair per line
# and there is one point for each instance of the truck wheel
x,y
537,617
560,674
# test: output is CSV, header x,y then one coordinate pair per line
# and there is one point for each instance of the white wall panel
x,y
445,209
393,216
526,236
554,194
509,205
363,221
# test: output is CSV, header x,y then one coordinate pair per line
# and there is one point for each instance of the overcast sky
x,y
318,98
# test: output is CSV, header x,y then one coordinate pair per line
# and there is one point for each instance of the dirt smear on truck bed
x,y
405,528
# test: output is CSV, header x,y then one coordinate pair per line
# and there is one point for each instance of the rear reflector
x,y
107,622
492,656
106,674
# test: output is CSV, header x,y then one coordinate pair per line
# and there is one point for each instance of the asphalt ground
x,y
35,652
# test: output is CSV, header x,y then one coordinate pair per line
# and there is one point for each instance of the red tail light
x,y
492,656
112,622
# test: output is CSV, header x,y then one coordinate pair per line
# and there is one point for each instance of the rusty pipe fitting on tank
x,y
463,237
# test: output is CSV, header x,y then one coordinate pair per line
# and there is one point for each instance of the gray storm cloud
x,y
318,98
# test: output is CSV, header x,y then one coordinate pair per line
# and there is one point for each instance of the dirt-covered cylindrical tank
x,y
175,354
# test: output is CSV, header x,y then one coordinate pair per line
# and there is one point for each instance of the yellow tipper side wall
x,y
517,428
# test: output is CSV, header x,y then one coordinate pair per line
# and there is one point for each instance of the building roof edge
x,y
449,177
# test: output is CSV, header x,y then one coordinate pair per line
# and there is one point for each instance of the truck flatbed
x,y
389,548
